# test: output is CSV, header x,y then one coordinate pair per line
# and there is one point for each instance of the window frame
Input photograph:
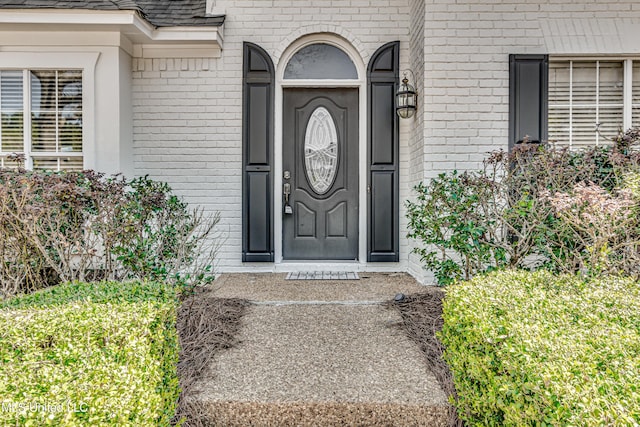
x,y
627,91
82,61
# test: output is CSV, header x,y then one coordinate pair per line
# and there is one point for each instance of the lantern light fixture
x,y
406,98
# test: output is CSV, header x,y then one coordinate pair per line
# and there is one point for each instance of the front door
x,y
320,174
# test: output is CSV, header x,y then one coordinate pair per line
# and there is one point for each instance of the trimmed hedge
x,y
100,354
536,349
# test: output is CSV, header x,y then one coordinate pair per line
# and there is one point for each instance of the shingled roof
x,y
160,13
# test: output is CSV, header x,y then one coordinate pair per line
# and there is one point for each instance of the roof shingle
x,y
160,13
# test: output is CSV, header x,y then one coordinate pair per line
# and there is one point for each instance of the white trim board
x,y
127,22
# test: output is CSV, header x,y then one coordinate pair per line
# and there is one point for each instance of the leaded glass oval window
x,y
320,61
321,150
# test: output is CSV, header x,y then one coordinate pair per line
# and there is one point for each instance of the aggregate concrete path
x,y
321,353
273,287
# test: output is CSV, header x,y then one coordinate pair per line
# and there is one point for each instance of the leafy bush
x,y
604,226
533,349
85,226
163,239
448,215
632,184
504,214
90,355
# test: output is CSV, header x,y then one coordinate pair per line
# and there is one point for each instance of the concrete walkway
x,y
321,353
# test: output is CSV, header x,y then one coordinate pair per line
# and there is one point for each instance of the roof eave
x,y
128,22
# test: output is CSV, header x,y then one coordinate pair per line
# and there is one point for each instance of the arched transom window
x,y
320,61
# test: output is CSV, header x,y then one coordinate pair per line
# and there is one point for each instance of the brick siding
x,y
187,113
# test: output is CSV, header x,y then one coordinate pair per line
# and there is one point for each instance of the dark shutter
x,y
257,155
383,148
528,104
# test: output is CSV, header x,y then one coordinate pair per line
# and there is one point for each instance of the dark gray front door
x,y
320,164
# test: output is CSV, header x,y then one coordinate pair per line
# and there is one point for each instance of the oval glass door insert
x,y
321,150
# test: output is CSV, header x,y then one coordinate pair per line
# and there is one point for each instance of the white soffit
x,y
591,36
198,40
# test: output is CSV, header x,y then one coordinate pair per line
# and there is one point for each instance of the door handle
x,y
286,191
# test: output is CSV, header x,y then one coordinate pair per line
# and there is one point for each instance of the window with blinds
x,y
635,97
41,118
586,101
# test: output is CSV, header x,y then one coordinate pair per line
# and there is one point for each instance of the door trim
x,y
361,85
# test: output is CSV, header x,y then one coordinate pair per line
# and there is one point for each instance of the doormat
x,y
322,275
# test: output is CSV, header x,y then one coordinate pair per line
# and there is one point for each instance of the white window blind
x,y
635,98
583,96
11,107
42,118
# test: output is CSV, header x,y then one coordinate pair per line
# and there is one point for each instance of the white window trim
x,y
85,61
627,96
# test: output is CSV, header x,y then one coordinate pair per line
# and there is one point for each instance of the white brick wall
x,y
416,142
187,113
467,47
466,79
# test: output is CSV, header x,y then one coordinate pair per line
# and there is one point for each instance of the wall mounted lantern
x,y
406,98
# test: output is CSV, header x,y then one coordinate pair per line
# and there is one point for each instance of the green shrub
x,y
534,349
90,355
603,227
507,213
98,293
85,226
632,183
448,217
162,239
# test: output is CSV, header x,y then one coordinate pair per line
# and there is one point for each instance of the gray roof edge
x,y
208,21
156,15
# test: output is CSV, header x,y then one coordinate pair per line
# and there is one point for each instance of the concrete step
x,y
275,287
322,364
307,414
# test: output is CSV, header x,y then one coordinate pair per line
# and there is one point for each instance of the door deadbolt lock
x,y
287,175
